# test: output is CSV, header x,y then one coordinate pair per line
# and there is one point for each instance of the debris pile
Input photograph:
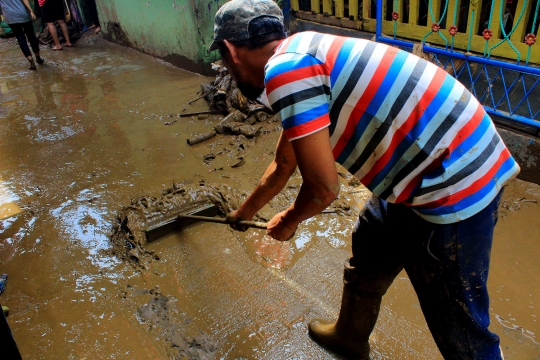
x,y
243,116
128,232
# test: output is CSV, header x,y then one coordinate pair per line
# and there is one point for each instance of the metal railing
x,y
468,38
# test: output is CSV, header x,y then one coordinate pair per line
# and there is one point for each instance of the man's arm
x,y
273,181
319,188
27,4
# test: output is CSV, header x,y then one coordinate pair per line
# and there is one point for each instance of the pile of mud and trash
x,y
241,116
243,119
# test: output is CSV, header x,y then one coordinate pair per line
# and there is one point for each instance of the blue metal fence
x,y
508,90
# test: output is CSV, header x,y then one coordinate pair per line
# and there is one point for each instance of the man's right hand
x,y
235,216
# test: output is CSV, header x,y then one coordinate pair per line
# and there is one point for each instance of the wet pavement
x,y
91,130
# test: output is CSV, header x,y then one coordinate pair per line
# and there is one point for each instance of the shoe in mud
x,y
328,336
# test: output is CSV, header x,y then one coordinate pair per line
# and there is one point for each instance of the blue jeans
x,y
448,267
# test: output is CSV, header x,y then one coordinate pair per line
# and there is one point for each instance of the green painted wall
x,y
178,31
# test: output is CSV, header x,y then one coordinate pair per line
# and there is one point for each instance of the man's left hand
x,y
279,229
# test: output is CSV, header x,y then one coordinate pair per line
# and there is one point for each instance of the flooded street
x,y
96,127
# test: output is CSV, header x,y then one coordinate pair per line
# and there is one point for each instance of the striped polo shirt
x,y
410,132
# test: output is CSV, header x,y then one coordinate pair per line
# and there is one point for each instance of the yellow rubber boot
x,y
349,335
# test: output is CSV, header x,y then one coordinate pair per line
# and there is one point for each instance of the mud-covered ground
x,y
92,152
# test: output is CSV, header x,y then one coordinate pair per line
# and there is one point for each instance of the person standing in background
x,y
92,9
19,16
53,10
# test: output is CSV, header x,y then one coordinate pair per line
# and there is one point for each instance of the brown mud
x,y
128,234
91,146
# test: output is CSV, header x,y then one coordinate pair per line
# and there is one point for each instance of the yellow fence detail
x,y
415,21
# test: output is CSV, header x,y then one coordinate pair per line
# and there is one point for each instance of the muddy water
x,y
92,130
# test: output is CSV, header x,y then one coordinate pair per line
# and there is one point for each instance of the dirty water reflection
x,y
93,129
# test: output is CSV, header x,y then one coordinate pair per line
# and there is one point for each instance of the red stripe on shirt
x,y
307,128
468,129
403,131
365,99
283,47
295,75
333,52
461,136
411,186
473,188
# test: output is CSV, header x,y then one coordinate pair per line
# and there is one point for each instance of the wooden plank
x,y
414,9
452,6
366,9
353,9
436,8
295,5
401,4
416,33
496,20
519,34
329,20
327,7
340,8
474,8
315,6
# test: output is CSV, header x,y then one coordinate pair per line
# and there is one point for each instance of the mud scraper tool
x,y
205,213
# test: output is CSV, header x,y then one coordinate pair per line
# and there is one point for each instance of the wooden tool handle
x,y
209,112
253,224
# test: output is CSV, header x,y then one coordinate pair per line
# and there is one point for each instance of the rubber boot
x,y
349,335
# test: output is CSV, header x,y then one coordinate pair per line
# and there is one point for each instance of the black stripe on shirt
x,y
314,44
466,171
345,93
300,96
397,106
430,145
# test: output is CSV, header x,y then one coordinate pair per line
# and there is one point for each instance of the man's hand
x,y
279,229
33,16
235,216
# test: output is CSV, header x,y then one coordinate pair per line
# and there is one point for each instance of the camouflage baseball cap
x,y
233,18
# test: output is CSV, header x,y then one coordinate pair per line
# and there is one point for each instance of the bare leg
x,y
65,31
54,35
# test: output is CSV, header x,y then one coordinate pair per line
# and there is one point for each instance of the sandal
x,y
70,45
56,48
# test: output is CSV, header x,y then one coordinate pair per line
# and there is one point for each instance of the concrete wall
x,y
526,150
178,31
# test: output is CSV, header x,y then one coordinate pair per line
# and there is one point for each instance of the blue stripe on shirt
x,y
305,116
470,200
374,105
428,114
462,150
341,60
302,61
